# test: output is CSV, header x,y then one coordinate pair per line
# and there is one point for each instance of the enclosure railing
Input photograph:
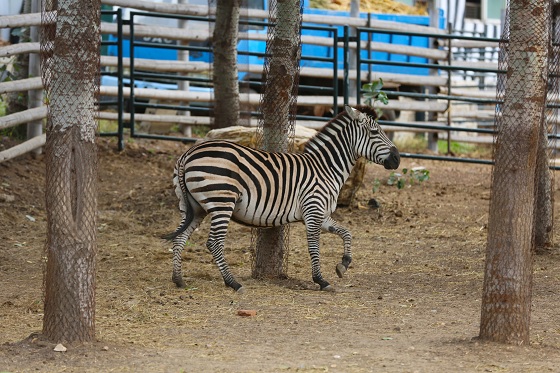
x,y
442,58
203,94
441,69
336,44
118,100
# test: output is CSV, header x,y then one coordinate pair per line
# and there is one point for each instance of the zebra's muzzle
x,y
393,160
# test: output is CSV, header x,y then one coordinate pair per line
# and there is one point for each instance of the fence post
x,y
35,96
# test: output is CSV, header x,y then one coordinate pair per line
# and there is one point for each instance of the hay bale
x,y
373,6
247,136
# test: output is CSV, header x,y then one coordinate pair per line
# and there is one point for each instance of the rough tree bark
x,y
70,72
225,76
544,213
277,102
506,299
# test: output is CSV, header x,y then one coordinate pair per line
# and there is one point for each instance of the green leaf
x,y
373,93
376,185
19,31
367,87
376,86
382,96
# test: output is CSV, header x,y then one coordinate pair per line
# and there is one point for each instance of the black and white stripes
x,y
228,182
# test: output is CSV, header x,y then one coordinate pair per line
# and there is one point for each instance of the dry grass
x,y
410,301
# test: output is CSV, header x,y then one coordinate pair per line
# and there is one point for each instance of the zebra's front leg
x,y
215,244
313,229
330,225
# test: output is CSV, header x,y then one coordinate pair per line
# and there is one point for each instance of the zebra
x,y
252,187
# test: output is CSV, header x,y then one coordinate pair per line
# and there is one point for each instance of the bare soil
x,y
410,301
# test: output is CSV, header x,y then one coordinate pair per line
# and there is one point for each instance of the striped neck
x,y
334,144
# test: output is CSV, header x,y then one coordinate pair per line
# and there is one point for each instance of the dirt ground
x,y
409,303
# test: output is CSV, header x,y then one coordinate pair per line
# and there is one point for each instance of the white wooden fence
x,y
34,84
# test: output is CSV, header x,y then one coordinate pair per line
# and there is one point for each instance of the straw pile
x,y
373,6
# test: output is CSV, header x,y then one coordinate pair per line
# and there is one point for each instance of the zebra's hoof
x,y
328,288
241,290
180,282
340,270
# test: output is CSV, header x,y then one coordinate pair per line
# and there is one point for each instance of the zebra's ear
x,y
352,113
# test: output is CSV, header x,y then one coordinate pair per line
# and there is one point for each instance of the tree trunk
x,y
269,256
282,76
70,73
226,85
544,215
277,106
506,298
544,195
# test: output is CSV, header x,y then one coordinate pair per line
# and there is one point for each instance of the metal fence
x,y
337,63
137,77
448,69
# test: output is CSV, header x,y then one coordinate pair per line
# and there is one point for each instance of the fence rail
x,y
447,102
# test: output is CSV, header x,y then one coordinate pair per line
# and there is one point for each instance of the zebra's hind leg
x,y
178,246
215,244
330,225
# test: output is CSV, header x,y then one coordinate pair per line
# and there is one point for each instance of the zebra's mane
x,y
324,134
369,110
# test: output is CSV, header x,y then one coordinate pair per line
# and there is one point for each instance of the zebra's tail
x,y
184,224
189,213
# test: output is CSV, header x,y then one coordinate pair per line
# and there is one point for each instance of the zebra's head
x,y
372,142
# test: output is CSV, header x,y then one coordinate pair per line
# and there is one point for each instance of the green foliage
x,y
408,178
5,74
16,132
14,101
373,94
376,185
411,144
419,144
465,149
200,131
22,33
2,107
105,126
